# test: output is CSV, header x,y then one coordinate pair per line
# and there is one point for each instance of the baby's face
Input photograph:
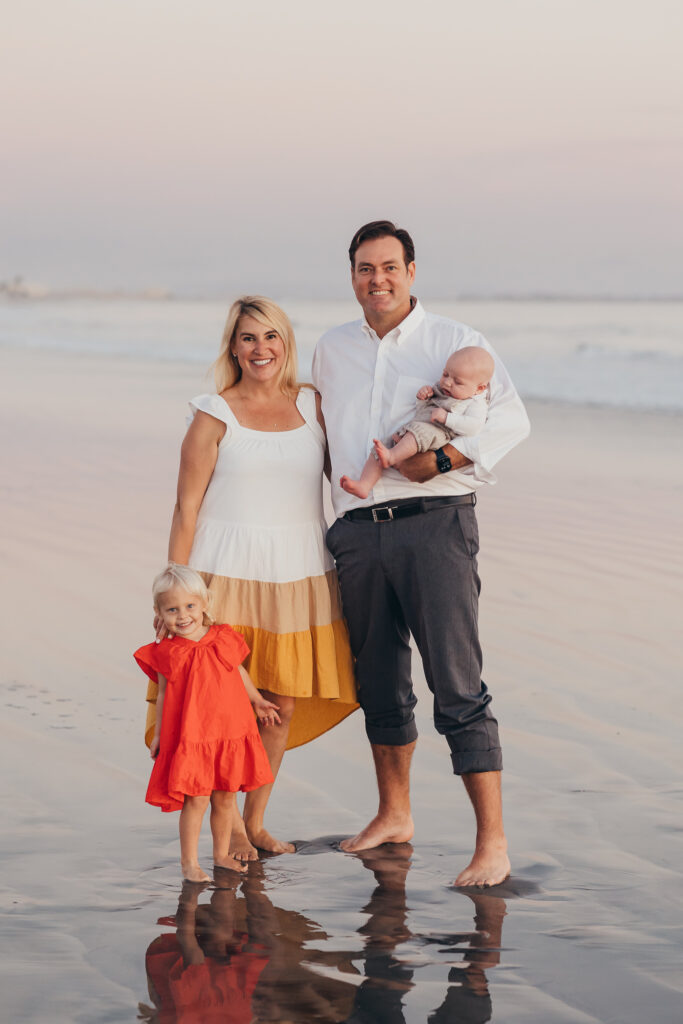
x,y
456,382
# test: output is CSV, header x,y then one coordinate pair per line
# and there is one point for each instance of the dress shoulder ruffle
x,y
214,405
154,659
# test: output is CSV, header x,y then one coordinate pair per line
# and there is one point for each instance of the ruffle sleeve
x,y
154,659
215,406
231,644
305,403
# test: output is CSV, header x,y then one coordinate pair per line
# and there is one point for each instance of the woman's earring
x,y
234,356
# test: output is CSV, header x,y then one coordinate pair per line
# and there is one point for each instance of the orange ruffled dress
x,y
209,736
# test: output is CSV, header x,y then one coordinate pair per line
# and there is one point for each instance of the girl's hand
x,y
154,747
439,416
425,392
266,712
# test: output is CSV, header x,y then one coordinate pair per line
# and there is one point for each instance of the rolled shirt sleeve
x,y
506,425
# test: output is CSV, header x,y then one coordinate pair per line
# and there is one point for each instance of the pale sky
x,y
529,146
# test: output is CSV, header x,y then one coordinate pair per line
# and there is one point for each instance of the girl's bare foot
x,y
354,487
262,839
193,873
230,862
240,847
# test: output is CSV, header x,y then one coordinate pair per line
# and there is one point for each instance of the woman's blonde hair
x,y
227,370
187,579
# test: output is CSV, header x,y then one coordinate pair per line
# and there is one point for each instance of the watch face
x,y
443,463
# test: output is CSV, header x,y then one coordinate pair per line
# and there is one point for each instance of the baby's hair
x,y
476,362
187,579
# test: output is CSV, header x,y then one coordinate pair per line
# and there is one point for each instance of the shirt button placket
x,y
377,394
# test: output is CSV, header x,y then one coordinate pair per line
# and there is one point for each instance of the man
x,y
406,555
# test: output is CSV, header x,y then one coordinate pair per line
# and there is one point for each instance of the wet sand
x,y
580,617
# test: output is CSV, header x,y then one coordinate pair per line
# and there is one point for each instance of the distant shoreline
x,y
39,293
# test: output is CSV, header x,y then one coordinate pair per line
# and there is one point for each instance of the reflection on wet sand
x,y
467,997
389,974
236,957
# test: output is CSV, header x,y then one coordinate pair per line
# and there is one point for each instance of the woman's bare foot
x,y
354,487
383,454
192,872
489,866
230,862
240,847
263,840
380,830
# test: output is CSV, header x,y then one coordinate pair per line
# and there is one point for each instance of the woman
x,y
249,517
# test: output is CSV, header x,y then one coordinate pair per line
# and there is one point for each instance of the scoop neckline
x,y
253,430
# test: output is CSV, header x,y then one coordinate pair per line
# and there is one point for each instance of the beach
x,y
580,623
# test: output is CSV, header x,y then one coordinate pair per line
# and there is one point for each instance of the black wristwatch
x,y
443,463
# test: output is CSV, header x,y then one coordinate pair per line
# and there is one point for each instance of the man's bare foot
x,y
263,840
193,873
354,487
241,848
380,830
383,454
230,863
489,866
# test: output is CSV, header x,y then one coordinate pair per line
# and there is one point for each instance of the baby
x,y
457,405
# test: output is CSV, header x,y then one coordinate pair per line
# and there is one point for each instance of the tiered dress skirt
x,y
260,545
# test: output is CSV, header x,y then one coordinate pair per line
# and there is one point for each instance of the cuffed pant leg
x,y
379,636
434,574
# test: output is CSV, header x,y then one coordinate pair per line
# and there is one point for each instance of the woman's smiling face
x,y
259,349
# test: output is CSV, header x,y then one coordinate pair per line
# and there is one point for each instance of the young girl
x,y
206,742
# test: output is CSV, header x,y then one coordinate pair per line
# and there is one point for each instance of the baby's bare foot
x,y
354,487
262,839
194,873
230,863
383,454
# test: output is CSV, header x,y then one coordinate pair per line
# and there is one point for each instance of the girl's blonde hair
x,y
227,370
187,579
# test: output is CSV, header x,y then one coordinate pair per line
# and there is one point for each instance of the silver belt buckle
x,y
379,517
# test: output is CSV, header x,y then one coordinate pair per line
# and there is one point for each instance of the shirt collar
x,y
406,326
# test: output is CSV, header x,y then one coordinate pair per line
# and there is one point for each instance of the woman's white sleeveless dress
x,y
260,545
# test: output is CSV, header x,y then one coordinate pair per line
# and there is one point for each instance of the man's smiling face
x,y
381,279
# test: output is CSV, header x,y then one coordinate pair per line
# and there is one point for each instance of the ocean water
x,y
621,354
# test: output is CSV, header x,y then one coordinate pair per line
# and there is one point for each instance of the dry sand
x,y
581,566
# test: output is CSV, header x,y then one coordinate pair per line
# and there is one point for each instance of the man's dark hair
x,y
382,229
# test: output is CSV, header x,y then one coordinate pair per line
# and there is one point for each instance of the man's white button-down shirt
x,y
369,389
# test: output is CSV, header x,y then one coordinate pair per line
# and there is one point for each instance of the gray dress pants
x,y
418,574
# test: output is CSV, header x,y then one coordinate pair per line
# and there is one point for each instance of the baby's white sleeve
x,y
468,421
